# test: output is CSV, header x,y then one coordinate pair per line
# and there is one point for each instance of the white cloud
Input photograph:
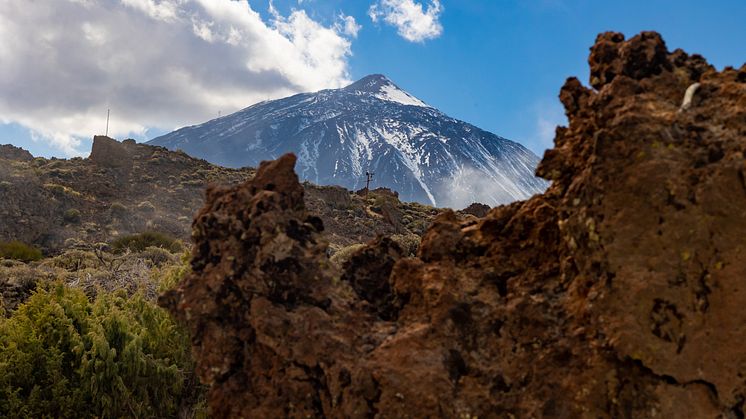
x,y
468,185
347,25
413,22
155,63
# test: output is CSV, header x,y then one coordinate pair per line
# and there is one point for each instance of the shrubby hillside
x,y
127,188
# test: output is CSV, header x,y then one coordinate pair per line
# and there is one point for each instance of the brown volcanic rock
x,y
11,152
617,293
259,276
110,152
477,209
368,271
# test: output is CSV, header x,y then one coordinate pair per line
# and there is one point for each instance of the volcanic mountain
x,y
370,126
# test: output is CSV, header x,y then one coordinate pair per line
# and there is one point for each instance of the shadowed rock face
x,y
109,152
617,293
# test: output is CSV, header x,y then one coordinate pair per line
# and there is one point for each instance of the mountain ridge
x,y
371,125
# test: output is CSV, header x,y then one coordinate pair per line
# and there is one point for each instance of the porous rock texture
x,y
620,292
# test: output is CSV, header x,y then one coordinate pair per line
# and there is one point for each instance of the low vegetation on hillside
x,y
81,336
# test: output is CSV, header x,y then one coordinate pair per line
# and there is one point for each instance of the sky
x,y
163,64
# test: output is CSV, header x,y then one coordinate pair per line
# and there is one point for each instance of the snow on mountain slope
x,y
370,125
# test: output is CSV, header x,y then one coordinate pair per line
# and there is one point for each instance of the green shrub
x,y
157,256
140,242
61,189
118,210
344,254
71,216
170,275
146,206
19,251
74,260
62,355
408,242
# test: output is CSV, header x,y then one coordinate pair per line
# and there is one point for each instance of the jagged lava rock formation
x,y
617,293
370,125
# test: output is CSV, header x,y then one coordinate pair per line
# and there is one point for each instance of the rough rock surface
x,y
477,209
617,293
368,272
11,152
109,152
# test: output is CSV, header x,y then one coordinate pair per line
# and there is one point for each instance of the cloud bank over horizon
x,y
155,63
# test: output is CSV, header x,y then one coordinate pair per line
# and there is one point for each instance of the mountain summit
x,y
374,126
379,86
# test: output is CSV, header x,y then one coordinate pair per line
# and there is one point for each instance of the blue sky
x,y
497,64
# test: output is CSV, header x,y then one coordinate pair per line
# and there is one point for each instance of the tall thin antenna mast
x,y
368,178
107,122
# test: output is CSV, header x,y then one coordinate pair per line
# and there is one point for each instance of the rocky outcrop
x,y
11,152
617,293
476,209
110,152
258,270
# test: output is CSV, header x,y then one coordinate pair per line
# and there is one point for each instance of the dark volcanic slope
x,y
371,125
617,293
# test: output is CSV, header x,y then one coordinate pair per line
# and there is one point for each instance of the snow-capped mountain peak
x,y
371,125
379,86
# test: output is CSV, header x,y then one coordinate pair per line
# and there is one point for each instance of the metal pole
x,y
107,122
368,178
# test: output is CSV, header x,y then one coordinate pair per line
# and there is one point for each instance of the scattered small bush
x,y
62,355
140,242
61,189
343,255
410,243
146,206
118,210
419,226
74,260
157,256
71,216
19,251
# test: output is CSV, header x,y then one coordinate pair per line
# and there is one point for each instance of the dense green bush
x,y
19,251
62,355
140,242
